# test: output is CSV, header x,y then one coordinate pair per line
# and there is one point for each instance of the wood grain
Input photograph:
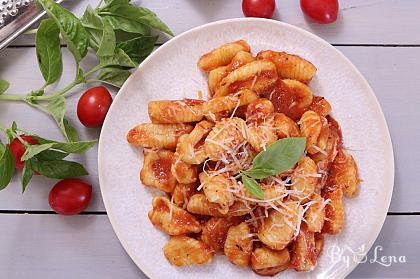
x,y
387,69
52,246
359,22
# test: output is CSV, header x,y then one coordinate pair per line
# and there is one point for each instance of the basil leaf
x,y
48,51
259,173
2,148
51,155
102,36
71,132
14,126
136,14
33,150
4,85
119,58
57,109
27,174
127,25
252,186
7,167
68,147
280,155
116,2
71,28
138,48
59,169
75,147
114,76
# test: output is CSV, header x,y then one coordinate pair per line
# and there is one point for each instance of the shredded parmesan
x,y
317,148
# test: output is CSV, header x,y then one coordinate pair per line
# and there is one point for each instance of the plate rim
x,y
388,141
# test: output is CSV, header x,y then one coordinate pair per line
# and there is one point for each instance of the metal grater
x,y
15,17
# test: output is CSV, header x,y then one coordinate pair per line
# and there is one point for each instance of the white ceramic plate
x,y
171,73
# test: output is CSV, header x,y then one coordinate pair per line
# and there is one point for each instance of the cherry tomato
x,y
258,8
93,106
18,149
70,196
321,11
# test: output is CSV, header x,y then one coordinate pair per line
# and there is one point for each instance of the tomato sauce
x,y
285,100
162,169
192,102
335,129
320,106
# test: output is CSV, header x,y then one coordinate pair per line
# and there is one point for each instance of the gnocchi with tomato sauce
x,y
197,150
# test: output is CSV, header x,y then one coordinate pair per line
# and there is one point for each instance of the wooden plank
x,y
395,83
398,238
51,246
19,66
387,69
360,21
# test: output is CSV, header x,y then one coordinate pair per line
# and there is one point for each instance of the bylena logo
x,y
346,255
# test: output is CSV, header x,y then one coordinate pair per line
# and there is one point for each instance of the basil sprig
x,y
119,33
45,158
278,157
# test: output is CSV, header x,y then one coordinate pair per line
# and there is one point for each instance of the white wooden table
x,y
382,38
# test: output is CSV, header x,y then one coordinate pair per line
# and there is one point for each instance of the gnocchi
x,y
215,231
256,75
201,152
157,135
183,250
172,219
156,171
267,262
238,245
279,227
222,55
290,66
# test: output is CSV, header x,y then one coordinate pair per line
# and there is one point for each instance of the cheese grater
x,y
16,16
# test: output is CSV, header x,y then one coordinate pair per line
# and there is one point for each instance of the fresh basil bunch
x,y
278,157
45,158
118,32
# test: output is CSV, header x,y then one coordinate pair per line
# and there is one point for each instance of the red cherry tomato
x,y
18,149
93,106
70,196
321,11
258,8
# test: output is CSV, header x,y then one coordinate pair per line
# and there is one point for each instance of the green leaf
x,y
59,169
33,150
7,167
48,51
259,173
75,147
4,85
138,48
114,76
14,126
119,58
68,147
57,109
71,28
102,36
27,174
71,132
51,155
116,2
135,14
280,155
252,186
127,25
2,149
